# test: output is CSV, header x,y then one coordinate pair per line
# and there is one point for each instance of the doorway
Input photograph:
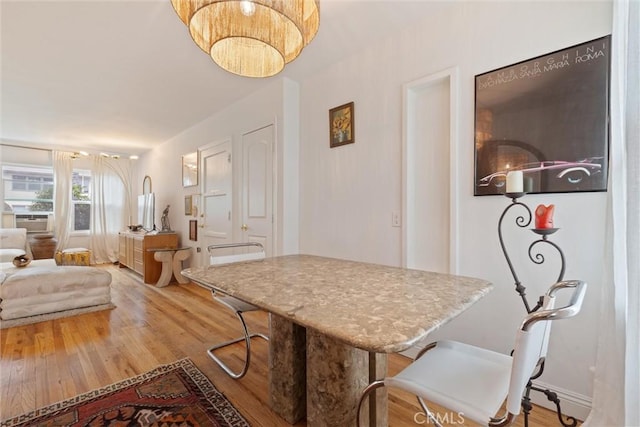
x,y
430,180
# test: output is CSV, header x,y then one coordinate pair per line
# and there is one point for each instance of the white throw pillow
x,y
7,255
13,238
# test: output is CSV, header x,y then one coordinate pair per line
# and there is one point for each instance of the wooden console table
x,y
134,254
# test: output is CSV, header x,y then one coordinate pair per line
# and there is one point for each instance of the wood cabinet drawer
x,y
138,266
133,252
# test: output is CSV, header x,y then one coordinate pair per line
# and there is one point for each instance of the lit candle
x,y
544,216
514,182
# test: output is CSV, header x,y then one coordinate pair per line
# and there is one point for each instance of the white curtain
x,y
110,206
616,398
62,205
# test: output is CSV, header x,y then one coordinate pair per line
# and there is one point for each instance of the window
x,y
19,183
31,183
81,198
29,189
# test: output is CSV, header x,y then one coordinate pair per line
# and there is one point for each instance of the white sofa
x,y
13,243
43,287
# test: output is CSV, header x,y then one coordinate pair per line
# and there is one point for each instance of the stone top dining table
x,y
341,314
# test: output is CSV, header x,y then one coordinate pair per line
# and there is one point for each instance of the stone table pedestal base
x,y
287,369
336,375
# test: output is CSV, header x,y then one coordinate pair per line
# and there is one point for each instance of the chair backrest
x,y
249,255
533,336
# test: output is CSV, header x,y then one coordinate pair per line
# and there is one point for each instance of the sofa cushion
x,y
42,287
7,255
8,268
13,238
51,303
30,281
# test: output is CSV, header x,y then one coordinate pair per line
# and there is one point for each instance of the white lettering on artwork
x,y
553,64
571,57
531,70
588,54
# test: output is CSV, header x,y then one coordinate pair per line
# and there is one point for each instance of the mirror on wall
x,y
146,206
190,169
146,185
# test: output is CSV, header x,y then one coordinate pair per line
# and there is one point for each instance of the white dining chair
x,y
473,382
237,306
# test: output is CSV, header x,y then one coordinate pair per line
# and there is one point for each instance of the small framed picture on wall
x,y
341,125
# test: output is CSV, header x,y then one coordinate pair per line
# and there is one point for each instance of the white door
x,y
257,187
215,225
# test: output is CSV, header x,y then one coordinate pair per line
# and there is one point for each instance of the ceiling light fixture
x,y
77,154
251,38
247,7
109,156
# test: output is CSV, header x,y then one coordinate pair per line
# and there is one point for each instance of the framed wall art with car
x,y
548,117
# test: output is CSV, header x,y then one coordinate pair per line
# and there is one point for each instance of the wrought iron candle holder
x,y
523,221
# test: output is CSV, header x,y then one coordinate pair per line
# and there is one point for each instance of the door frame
x,y
409,91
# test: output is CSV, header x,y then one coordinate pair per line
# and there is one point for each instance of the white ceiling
x,y
124,76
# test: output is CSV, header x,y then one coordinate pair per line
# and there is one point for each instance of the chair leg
x,y
371,387
247,360
428,413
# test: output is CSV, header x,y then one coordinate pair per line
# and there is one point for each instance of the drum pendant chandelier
x,y
252,38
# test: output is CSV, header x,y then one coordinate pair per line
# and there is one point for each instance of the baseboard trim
x,y
571,403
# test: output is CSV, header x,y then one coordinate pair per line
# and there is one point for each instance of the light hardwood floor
x,y
46,362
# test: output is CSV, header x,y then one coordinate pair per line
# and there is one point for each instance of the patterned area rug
x,y
170,395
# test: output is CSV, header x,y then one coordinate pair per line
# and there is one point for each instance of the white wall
x,y
347,194
276,104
